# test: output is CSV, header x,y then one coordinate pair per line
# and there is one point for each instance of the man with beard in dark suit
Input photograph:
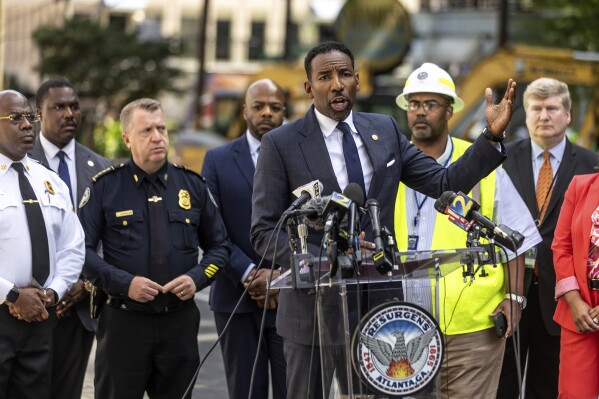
x,y
60,117
547,104
367,149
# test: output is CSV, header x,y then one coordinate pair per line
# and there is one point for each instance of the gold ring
x,y
595,320
181,293
64,303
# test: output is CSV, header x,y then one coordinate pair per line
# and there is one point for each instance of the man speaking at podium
x,y
473,352
366,149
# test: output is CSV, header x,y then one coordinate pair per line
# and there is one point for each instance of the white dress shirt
x,y
333,139
51,153
254,145
65,236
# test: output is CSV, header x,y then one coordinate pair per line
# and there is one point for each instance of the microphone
x,y
303,194
354,192
312,212
463,212
380,257
335,209
302,232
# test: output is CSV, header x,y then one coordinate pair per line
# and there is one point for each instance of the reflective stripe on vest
x,y
475,300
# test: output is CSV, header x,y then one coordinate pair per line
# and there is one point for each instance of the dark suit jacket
x,y
87,165
229,172
295,154
577,160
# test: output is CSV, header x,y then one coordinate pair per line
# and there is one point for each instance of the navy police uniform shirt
x,y
115,211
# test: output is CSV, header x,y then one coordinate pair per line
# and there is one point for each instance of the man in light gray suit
x,y
58,108
373,154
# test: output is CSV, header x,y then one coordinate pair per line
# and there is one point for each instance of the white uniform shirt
x,y
65,236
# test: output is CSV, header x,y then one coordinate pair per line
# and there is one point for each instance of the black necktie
x,y
159,247
40,259
352,159
63,172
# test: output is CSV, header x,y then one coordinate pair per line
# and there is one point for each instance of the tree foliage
x,y
572,23
108,66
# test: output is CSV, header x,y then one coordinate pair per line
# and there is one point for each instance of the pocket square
x,y
390,162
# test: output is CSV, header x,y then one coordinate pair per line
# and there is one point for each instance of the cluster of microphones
x,y
311,209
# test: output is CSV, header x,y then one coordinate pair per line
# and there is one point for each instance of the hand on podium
x,y
257,287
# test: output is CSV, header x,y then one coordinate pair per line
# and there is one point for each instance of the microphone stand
x,y
291,233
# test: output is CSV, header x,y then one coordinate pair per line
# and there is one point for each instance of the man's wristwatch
x,y
488,135
517,298
12,295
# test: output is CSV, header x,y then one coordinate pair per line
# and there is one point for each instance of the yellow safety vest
x,y
464,307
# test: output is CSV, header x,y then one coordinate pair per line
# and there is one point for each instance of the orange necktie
x,y
544,186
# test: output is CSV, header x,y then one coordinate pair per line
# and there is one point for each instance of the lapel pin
x,y
90,163
375,137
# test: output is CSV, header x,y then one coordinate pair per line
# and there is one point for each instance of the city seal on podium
x,y
397,348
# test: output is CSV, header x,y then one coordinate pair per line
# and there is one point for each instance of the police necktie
x,y
159,243
40,258
544,186
352,159
63,172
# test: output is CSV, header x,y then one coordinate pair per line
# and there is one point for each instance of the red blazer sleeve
x,y
571,243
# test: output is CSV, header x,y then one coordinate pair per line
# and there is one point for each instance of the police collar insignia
x,y
86,194
49,187
184,199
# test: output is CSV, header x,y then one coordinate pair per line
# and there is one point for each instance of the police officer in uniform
x,y
41,254
151,216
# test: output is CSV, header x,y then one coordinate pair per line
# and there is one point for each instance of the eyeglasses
x,y
427,105
16,117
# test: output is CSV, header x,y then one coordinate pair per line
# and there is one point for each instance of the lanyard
x,y
420,204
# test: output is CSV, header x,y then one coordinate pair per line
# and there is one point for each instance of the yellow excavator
x,y
580,70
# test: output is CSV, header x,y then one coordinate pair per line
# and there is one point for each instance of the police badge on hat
x,y
184,199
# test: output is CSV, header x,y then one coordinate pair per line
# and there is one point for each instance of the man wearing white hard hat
x,y
473,351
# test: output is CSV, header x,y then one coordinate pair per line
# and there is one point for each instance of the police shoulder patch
x,y
185,168
106,171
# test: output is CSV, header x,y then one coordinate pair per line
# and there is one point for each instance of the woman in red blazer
x,y
576,257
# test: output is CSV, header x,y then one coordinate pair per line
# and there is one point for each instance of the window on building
x,y
223,40
189,37
118,22
326,33
256,43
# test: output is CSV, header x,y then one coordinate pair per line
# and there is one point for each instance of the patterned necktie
x,y
63,172
544,185
159,242
352,159
40,258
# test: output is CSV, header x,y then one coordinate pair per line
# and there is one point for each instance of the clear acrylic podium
x,y
345,303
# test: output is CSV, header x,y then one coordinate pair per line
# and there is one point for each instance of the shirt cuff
x,y
566,285
247,272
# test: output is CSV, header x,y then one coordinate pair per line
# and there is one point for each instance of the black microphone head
x,y
444,201
354,192
371,202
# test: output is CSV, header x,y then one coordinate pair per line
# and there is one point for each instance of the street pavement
x,y
211,382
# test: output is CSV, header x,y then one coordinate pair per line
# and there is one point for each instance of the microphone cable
x,y
276,229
